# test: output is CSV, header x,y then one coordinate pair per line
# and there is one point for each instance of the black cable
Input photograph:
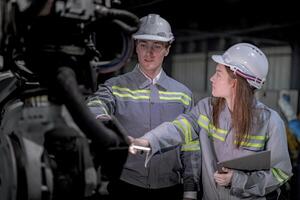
x,y
120,17
74,101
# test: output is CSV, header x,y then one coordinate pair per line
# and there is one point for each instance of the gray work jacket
x,y
141,106
217,144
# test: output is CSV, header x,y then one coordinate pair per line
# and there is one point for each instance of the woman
x,y
232,124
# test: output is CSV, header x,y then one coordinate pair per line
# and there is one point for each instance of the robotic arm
x,y
53,48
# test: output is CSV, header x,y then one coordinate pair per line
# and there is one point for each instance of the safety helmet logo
x,y
246,60
154,27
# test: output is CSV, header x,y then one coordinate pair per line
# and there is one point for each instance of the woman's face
x,y
222,84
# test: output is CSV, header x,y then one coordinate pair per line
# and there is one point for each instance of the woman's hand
x,y
224,178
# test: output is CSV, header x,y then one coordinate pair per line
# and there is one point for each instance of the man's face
x,y
151,54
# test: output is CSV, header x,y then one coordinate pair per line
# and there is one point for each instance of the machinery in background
x,y
270,98
285,102
51,54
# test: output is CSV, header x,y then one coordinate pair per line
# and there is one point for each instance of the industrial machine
x,y
51,53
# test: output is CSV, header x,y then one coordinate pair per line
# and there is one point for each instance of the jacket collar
x,y
144,82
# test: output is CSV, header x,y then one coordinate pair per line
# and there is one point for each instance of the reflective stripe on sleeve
x,y
97,103
185,127
212,131
279,175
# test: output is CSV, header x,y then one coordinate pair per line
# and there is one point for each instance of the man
x,y
141,100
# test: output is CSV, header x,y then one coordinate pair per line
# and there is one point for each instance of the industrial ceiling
x,y
267,22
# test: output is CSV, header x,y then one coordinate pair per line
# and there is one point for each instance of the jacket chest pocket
x,y
171,110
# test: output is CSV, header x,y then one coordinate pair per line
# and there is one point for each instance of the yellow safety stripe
x,y
130,91
145,95
193,146
282,174
97,103
279,175
250,144
176,93
94,102
211,126
212,131
105,111
203,125
250,141
220,134
183,129
257,137
216,136
190,144
279,179
131,96
175,98
209,133
189,132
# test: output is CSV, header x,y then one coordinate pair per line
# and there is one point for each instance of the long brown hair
x,y
242,113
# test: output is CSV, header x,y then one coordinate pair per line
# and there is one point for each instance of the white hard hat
x,y
153,27
246,60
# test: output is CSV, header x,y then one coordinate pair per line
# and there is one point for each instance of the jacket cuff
x,y
154,145
190,195
189,186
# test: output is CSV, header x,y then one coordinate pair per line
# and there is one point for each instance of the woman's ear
x,y
234,82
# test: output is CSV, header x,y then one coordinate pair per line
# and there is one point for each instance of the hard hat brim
x,y
219,59
152,37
